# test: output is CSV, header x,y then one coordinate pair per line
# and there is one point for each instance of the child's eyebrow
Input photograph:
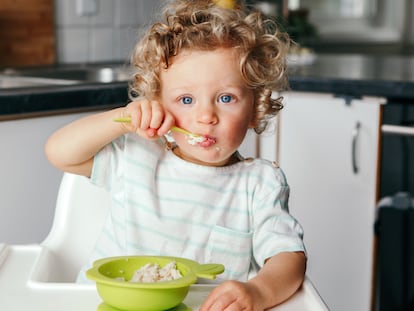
x,y
179,90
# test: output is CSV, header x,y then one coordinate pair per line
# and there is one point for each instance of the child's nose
x,y
206,113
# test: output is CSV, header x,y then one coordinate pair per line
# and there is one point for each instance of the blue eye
x,y
226,98
186,100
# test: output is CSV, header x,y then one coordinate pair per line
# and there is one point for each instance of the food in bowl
x,y
139,296
152,272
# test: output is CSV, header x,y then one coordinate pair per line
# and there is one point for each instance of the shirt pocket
x,y
233,249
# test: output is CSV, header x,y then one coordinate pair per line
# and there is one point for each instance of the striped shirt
x,y
235,215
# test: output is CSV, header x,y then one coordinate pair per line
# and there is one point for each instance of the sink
x,y
89,74
7,82
63,75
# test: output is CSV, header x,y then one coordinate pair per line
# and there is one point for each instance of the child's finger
x,y
152,133
146,114
157,115
166,125
133,111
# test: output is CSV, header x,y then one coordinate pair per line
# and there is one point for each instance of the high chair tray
x,y
18,292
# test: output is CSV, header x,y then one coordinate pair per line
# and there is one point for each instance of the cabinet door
x,y
262,145
28,182
322,138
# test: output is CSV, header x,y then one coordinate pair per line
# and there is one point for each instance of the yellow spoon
x,y
173,128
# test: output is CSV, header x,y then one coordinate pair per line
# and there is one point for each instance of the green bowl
x,y
146,296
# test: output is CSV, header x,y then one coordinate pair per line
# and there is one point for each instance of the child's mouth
x,y
207,142
202,141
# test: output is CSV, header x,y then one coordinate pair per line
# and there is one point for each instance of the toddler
x,y
210,70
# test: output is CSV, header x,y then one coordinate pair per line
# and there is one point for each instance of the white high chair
x,y
81,210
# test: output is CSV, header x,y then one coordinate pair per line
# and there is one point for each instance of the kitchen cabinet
x,y
28,183
263,145
328,147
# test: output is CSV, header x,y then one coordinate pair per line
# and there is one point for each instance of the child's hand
x,y
234,295
149,119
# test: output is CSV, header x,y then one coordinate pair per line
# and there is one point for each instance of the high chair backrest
x,y
81,209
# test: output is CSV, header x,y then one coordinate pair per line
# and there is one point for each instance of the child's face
x,y
206,94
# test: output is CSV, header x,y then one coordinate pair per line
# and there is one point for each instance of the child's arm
x,y
73,147
279,279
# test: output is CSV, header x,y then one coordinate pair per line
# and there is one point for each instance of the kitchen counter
x,y
58,99
343,75
356,75
50,90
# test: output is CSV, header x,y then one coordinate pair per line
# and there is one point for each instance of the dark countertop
x,y
346,75
356,75
52,100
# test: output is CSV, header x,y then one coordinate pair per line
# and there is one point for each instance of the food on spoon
x,y
195,139
201,140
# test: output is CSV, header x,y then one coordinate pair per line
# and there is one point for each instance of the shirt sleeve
x,y
276,230
106,163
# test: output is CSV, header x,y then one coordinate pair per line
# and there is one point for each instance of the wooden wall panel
x,y
27,35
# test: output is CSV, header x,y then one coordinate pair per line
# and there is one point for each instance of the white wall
x,y
107,35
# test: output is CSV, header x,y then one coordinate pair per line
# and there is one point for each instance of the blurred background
x,y
37,32
351,73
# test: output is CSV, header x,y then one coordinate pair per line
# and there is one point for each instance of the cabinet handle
x,y
397,130
355,135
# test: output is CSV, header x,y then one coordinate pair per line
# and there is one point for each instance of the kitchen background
x,y
47,32
38,32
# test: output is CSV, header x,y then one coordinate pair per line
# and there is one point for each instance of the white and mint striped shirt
x,y
236,215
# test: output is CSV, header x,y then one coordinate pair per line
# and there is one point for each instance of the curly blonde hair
x,y
203,25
